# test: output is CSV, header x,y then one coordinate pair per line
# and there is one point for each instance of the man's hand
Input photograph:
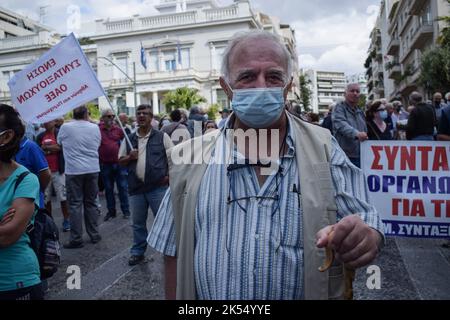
x,y
355,243
362,136
133,155
9,215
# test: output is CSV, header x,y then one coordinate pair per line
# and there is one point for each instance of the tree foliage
x,y
305,92
182,98
435,69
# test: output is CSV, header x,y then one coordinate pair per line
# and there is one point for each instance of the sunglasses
x,y
109,116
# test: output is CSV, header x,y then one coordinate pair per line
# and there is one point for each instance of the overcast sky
x,y
331,35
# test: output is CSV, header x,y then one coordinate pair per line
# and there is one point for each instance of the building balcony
x,y
393,47
422,35
43,39
137,23
416,6
394,71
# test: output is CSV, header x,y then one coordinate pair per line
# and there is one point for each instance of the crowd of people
x,y
276,226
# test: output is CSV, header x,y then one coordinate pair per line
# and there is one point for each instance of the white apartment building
x,y
183,46
327,87
361,80
22,41
407,29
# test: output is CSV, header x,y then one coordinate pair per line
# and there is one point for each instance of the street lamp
x,y
126,75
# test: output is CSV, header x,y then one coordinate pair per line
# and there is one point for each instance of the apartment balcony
x,y
42,39
394,70
422,35
416,6
393,47
162,21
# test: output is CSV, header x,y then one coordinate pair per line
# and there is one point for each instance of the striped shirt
x,y
253,248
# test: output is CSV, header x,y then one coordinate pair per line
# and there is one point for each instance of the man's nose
x,y
261,81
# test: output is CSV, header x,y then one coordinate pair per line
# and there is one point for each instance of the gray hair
x,y
351,85
242,37
106,111
415,98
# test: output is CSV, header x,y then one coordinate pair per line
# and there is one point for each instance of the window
x,y
169,60
121,66
154,61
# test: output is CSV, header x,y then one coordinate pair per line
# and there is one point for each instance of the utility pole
x,y
133,81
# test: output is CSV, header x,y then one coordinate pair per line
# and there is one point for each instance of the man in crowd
x,y
80,140
147,176
33,158
176,130
438,105
110,170
229,230
47,140
123,118
327,122
225,113
421,120
349,124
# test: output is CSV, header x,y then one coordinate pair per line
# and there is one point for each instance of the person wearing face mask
x,y
19,267
377,128
250,220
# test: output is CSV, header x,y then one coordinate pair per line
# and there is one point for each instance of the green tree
x,y
305,92
435,69
182,98
94,112
362,101
213,111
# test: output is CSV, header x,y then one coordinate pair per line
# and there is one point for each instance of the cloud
x,y
330,34
337,42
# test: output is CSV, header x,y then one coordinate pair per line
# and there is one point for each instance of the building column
x,y
155,103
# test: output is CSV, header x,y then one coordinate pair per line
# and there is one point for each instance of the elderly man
x,y
228,229
110,170
349,124
438,104
80,140
123,118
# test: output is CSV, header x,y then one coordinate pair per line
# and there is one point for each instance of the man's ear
x,y
288,87
226,87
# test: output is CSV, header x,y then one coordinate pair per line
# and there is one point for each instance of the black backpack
x,y
44,239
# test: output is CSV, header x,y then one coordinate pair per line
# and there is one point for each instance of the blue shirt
x,y
33,158
255,250
19,267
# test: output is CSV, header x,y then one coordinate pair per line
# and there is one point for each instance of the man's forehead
x,y
254,51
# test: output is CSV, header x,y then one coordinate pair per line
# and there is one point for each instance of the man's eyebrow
x,y
244,72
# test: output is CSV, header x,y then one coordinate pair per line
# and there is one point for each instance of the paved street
x,y
410,268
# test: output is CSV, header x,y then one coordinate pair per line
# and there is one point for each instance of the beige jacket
x,y
313,149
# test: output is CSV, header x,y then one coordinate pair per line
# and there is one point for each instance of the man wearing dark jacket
x,y
148,176
421,121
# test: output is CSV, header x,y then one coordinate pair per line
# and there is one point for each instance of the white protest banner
x,y
58,82
409,184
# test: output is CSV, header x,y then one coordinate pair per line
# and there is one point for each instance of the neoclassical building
x,y
182,45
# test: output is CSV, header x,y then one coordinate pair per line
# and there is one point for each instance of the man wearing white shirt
x,y
80,140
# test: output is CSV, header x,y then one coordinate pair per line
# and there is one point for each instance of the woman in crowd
x,y
377,129
19,267
209,126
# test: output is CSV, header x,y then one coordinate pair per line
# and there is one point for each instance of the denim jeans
x,y
139,209
114,173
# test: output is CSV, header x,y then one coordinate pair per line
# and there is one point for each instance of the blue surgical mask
x,y
383,114
258,107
